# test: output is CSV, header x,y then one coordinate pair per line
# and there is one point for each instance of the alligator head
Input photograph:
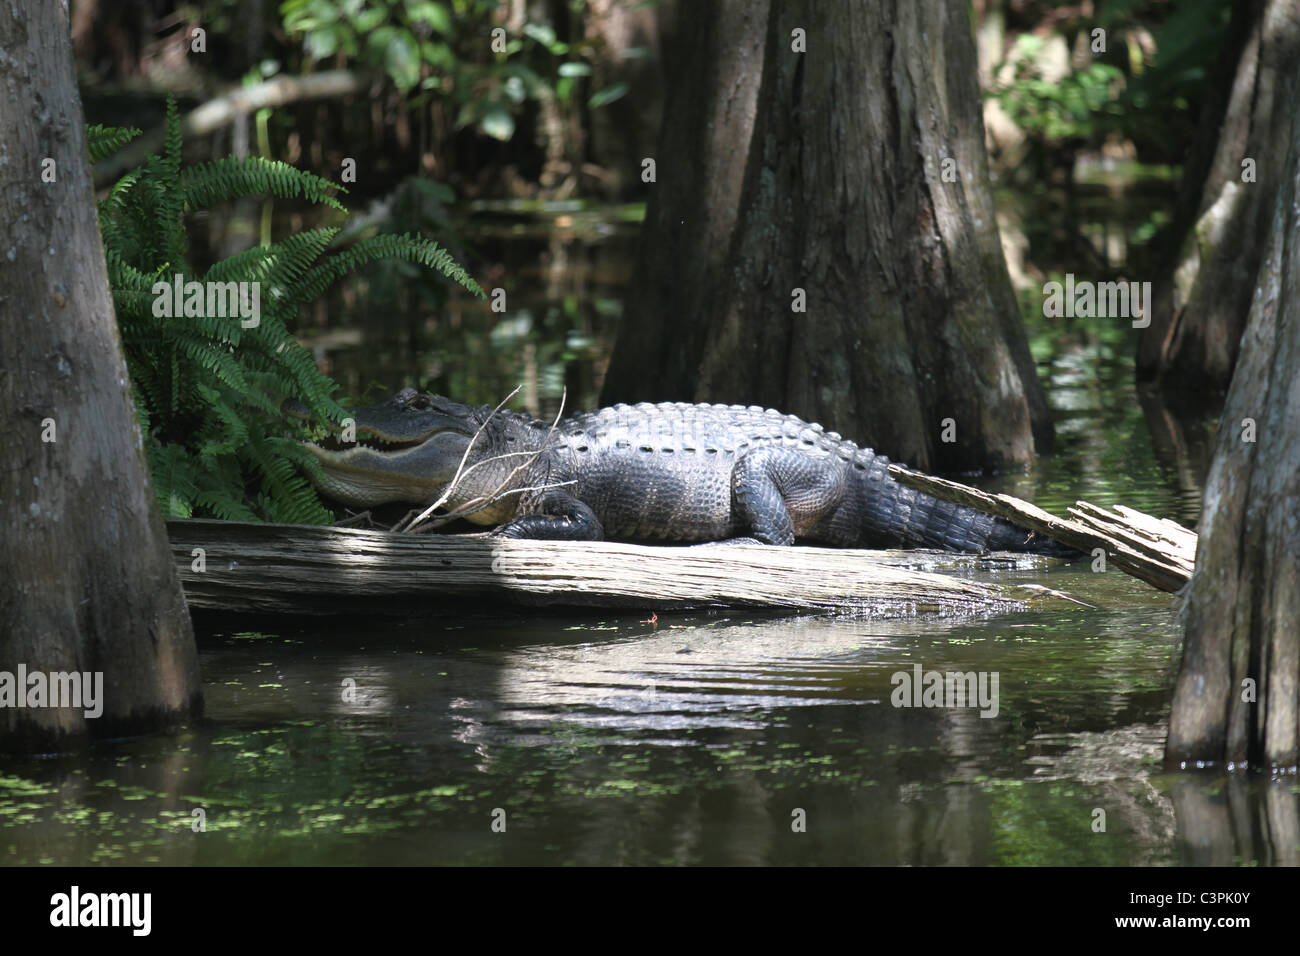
x,y
406,449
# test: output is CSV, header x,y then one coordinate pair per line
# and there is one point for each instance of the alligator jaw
x,y
406,449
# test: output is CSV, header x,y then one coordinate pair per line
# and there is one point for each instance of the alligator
x,y
648,472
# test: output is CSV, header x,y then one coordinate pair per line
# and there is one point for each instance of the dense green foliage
x,y
447,49
1145,76
1071,107
209,385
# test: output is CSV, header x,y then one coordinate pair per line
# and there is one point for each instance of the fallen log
x,y
1155,550
235,566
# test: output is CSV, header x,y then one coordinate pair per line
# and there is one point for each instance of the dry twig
x,y
425,523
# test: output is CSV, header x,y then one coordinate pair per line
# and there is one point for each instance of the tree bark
x,y
713,57
1236,699
866,187
86,578
1203,292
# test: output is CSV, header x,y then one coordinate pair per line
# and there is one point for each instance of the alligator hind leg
x,y
776,492
560,518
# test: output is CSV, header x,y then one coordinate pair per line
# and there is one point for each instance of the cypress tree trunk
x,y
1204,292
87,582
866,202
1238,689
713,58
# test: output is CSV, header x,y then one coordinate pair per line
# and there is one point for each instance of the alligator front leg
x,y
559,518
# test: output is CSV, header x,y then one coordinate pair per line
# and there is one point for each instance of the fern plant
x,y
208,385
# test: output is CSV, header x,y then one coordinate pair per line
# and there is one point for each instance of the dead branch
x,y
483,501
230,106
1155,550
463,458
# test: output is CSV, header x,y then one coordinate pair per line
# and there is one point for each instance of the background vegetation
x,y
519,152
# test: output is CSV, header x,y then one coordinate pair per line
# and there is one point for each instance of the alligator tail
x,y
898,515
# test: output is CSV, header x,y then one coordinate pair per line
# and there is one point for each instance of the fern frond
x,y
104,141
275,266
220,504
174,475
222,180
171,207
291,499
208,391
386,246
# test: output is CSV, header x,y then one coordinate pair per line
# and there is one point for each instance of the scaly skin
x,y
668,472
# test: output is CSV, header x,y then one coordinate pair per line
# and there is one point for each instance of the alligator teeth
x,y
373,442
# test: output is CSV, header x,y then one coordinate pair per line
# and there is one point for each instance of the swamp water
x,y
500,737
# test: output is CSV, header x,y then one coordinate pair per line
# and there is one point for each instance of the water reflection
x,y
702,739
1238,820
